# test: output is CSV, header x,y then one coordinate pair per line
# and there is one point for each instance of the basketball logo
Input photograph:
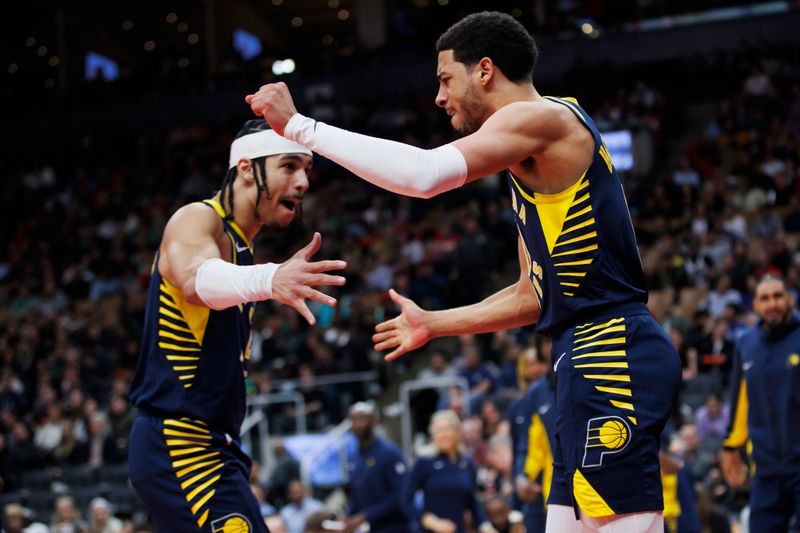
x,y
232,523
605,435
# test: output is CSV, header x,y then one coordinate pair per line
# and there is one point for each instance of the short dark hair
x,y
495,35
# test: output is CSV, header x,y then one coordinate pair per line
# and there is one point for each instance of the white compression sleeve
x,y
394,166
221,284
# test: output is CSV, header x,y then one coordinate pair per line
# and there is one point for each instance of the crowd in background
x,y
714,194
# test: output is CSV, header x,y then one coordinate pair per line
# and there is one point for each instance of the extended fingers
x,y
324,266
395,354
303,309
380,337
320,297
325,279
389,343
386,326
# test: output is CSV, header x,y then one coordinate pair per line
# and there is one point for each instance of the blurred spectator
x,y
264,507
712,418
446,479
503,518
285,470
100,518
66,518
299,507
13,518
275,524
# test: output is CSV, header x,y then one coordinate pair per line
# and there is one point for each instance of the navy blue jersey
x,y
765,396
193,360
580,247
377,475
448,488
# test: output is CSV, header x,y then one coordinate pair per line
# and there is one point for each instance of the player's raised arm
x,y
193,262
510,135
511,307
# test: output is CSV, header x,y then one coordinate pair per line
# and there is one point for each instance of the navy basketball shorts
x,y
617,379
191,478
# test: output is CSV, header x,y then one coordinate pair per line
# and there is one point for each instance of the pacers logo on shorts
x,y
605,435
232,523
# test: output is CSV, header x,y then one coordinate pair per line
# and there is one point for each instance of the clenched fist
x,y
273,102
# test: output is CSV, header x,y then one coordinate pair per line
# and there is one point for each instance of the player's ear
x,y
244,168
486,70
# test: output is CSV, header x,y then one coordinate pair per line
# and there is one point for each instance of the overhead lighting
x,y
343,14
327,40
442,2
30,41
149,46
49,83
42,51
516,12
297,22
127,25
281,67
171,18
182,27
587,28
12,68
333,3
277,2
193,38
183,62
54,61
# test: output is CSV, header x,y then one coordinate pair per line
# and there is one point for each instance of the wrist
x,y
299,129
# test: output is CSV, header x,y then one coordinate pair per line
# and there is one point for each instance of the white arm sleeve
x,y
221,284
393,166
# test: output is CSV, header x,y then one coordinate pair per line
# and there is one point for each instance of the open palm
x,y
405,332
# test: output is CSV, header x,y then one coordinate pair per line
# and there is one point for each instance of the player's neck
x,y
244,214
509,92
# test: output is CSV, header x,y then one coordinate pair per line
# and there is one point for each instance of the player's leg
x,y
561,519
622,376
770,505
234,509
649,522
154,480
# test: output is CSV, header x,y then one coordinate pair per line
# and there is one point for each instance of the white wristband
x,y
394,166
221,284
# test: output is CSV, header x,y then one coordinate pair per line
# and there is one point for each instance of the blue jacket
x,y
377,475
765,396
448,489
533,429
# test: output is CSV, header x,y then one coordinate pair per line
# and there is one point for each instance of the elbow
x,y
190,294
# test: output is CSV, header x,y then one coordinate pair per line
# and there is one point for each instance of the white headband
x,y
260,144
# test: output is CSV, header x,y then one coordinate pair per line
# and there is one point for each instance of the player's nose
x,y
441,98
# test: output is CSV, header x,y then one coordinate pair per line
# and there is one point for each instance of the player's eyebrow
x,y
440,74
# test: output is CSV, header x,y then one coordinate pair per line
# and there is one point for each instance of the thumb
x,y
249,99
396,298
312,247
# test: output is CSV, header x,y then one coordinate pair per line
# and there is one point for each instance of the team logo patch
x,y
605,435
232,523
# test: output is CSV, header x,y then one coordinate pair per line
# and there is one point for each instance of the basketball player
x,y
581,282
189,388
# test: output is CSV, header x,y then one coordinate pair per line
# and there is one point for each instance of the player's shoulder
x,y
534,115
195,216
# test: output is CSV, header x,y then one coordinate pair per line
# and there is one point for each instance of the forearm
x,y
394,166
512,307
220,284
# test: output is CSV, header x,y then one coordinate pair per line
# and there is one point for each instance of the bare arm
x,y
512,134
192,260
511,307
189,241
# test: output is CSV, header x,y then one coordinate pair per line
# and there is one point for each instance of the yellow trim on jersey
x,y
170,346
203,518
185,451
603,365
574,263
542,198
622,405
176,433
610,329
739,431
197,490
221,212
170,335
181,473
183,442
540,456
614,390
581,212
195,316
178,423
574,274
610,353
610,377
194,479
578,226
577,251
585,327
591,503
632,419
202,501
576,239
604,342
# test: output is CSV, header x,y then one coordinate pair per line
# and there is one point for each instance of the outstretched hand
x,y
405,332
274,102
294,279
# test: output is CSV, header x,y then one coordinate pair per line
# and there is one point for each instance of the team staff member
x,y
377,476
533,434
447,482
581,279
765,402
185,461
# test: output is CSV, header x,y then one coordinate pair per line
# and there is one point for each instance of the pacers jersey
x,y
193,360
579,244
